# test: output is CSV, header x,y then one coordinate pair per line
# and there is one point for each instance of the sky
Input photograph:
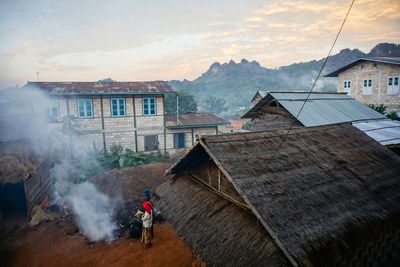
x,y
129,40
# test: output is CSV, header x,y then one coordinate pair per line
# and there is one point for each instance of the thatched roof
x,y
323,184
222,233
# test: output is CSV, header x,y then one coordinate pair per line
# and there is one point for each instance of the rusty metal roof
x,y
193,119
100,88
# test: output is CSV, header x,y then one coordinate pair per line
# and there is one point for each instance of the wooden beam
x,y
197,179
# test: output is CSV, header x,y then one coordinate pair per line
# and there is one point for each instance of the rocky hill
x,y
236,83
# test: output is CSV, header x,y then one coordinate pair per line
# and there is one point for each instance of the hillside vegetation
x,y
236,83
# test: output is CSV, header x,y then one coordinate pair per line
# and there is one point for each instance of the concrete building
x,y
130,114
371,81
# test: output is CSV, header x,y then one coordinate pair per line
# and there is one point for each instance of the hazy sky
x,y
163,40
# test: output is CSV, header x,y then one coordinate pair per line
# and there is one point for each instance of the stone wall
x,y
190,138
99,130
379,73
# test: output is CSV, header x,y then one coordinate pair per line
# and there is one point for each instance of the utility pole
x,y
177,108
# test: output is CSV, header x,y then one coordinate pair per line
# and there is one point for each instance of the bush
x,y
117,159
381,108
393,115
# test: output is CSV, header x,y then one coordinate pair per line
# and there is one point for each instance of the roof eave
x,y
99,94
196,125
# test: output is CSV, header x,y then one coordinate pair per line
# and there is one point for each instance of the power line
x,y
312,87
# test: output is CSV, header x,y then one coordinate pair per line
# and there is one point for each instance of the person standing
x,y
147,223
147,197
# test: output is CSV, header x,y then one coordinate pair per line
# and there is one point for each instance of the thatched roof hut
x,y
329,196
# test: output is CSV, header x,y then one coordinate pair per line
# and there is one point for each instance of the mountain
x,y
238,82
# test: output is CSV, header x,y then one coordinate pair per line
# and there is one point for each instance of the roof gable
x,y
102,88
387,60
320,108
322,180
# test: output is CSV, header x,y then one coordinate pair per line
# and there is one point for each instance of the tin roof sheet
x,y
193,118
386,132
325,108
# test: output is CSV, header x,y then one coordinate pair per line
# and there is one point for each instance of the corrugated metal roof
x,y
386,132
102,87
388,60
193,119
325,108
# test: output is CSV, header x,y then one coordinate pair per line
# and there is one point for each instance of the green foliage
x,y
187,102
381,108
215,104
116,158
248,125
393,115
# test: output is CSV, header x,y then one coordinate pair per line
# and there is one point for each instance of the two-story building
x,y
371,81
130,114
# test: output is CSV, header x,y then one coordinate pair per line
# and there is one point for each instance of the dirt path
x,y
46,245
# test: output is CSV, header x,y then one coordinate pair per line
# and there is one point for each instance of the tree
x,y
215,104
186,102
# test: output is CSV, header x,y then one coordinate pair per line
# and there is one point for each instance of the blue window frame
x,y
53,109
179,140
149,106
118,107
85,108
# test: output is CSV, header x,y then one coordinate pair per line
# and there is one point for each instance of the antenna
x,y
37,73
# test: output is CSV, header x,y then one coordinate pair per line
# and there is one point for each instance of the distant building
x,y
371,81
130,114
280,110
182,129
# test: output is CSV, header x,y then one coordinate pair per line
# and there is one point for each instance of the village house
x,y
281,110
329,196
130,114
181,130
371,81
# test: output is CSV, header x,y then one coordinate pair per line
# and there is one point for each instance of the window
x,y
179,140
367,87
53,109
150,142
85,108
347,87
117,107
393,85
149,106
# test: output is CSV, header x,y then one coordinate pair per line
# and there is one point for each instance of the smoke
x,y
24,116
94,209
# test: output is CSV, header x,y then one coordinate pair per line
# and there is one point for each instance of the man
x,y
147,223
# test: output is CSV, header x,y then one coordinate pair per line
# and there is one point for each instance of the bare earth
x,y
49,245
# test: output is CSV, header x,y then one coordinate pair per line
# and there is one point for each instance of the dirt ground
x,y
129,184
47,245
53,244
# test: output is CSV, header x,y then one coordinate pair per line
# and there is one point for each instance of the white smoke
x,y
24,112
94,210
